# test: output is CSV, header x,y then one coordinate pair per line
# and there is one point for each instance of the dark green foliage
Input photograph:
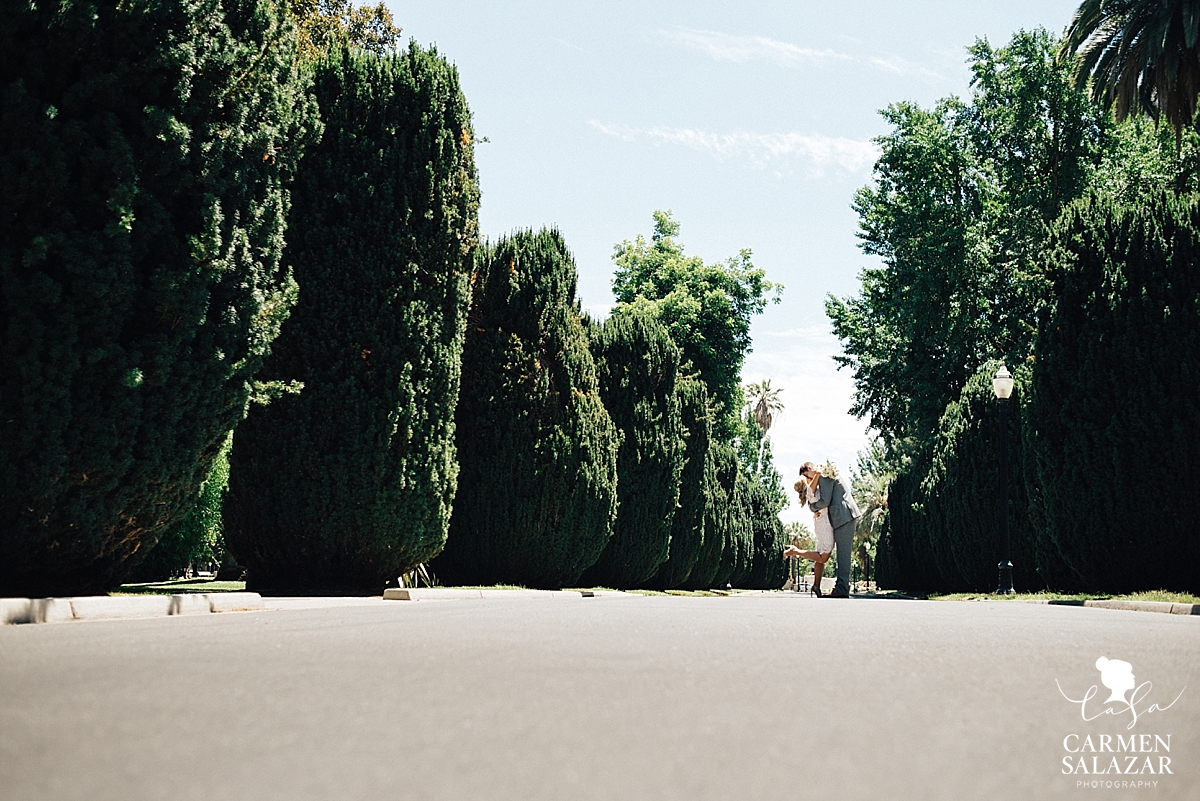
x,y
946,510
196,538
538,453
735,523
768,568
144,151
1115,403
905,560
350,482
687,527
703,574
638,366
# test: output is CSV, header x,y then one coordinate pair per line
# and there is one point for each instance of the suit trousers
x,y
843,538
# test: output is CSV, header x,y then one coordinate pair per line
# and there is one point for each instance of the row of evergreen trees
x,y
158,156
586,448
1104,494
1103,272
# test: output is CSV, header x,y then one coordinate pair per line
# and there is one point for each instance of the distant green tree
x,y
638,365
870,481
145,151
687,527
537,491
1114,402
350,483
706,308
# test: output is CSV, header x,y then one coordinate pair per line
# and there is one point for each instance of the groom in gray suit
x,y
837,501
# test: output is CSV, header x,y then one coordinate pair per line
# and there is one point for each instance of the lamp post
x,y
1003,385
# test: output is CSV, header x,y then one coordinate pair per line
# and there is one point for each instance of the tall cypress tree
x,y
638,366
703,574
144,152
768,568
1114,402
739,530
687,527
538,453
350,482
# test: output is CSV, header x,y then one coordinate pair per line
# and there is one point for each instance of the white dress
x,y
822,528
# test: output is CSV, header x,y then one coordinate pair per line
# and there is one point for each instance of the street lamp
x,y
1003,385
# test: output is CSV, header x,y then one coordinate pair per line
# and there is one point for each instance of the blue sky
x,y
751,122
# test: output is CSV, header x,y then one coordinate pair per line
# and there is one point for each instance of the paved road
x,y
769,697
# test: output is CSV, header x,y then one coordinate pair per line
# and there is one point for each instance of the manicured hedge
x,y
145,149
1115,406
687,527
638,366
538,452
350,482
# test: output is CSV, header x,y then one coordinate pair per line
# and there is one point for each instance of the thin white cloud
x,y
902,66
743,49
817,152
740,49
619,131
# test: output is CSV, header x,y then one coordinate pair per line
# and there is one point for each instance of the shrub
x,y
537,488
703,574
945,508
768,568
1114,404
350,482
734,523
144,152
687,527
638,366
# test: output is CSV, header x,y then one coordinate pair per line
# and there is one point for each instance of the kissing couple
x,y
834,511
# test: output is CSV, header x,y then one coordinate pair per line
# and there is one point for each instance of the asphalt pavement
x,y
751,697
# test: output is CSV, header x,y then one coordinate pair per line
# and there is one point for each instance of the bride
x,y
810,491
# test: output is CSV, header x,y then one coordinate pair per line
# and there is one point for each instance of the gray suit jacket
x,y
838,498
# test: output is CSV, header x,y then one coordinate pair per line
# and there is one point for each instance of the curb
x,y
15,611
1163,607
455,594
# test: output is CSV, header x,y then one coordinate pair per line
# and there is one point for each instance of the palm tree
x,y
765,402
871,480
1140,55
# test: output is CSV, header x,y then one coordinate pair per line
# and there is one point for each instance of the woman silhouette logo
x,y
1116,676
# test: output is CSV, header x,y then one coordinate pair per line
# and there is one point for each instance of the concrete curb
x,y
1163,607
457,594
123,607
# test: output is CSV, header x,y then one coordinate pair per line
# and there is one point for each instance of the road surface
x,y
761,697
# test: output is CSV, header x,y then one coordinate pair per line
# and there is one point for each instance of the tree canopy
x,y
706,308
963,196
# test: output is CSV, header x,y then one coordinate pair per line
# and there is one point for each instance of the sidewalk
x,y
113,607
119,607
